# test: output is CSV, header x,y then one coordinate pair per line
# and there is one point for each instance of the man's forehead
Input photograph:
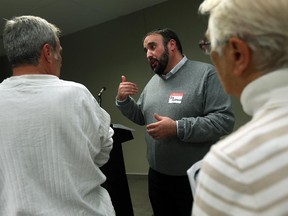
x,y
152,38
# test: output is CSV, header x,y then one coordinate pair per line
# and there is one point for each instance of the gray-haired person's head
x,y
24,37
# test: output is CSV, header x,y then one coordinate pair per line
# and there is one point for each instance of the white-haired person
x,y
247,172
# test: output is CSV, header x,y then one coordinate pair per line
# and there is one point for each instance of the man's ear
x,y
241,55
47,52
172,44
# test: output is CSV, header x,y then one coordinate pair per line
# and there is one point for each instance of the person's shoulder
x,y
72,84
75,87
202,67
200,64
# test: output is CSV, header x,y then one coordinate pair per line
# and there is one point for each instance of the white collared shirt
x,y
175,69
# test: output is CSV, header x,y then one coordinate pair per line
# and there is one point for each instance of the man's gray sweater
x,y
194,98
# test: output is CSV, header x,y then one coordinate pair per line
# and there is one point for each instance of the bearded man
x,y
185,111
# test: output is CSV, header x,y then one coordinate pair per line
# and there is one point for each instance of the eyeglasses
x,y
205,46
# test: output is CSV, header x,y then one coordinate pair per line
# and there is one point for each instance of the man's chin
x,y
154,69
157,71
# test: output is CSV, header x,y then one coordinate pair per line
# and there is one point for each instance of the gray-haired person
x,y
54,135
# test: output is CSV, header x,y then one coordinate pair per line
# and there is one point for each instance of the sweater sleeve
x,y
132,110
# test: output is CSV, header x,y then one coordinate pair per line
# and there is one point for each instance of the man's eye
x,y
153,47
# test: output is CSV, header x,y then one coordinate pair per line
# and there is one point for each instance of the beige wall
x,y
98,56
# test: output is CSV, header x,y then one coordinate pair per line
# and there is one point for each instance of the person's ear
x,y
47,52
240,54
172,44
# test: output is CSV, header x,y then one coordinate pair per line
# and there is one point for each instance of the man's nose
x,y
149,54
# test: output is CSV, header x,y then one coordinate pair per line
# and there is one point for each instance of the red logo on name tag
x,y
176,97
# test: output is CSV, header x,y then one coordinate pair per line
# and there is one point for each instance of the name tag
x,y
176,97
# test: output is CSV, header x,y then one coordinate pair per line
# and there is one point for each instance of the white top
x,y
193,173
247,173
53,138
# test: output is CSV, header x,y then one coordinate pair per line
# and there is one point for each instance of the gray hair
x,y
24,37
263,24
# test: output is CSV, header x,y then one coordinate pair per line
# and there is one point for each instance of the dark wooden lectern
x,y
117,183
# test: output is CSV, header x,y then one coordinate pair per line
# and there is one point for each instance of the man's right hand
x,y
125,89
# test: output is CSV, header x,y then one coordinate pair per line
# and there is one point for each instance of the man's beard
x,y
162,63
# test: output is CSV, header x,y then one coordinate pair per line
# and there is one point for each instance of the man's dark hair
x,y
167,35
